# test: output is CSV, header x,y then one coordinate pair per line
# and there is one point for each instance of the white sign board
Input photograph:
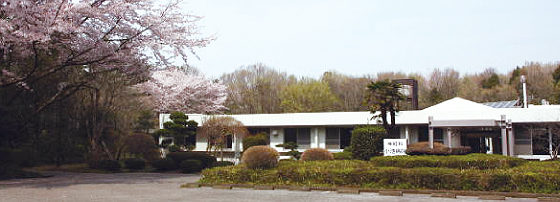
x,y
394,147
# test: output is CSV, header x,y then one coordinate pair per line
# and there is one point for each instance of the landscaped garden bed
x,y
473,172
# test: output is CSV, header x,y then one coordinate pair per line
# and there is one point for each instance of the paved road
x,y
128,187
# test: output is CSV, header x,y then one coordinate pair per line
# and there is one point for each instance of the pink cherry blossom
x,y
174,90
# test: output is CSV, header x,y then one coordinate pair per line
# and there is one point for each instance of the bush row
x,y
479,161
423,148
348,173
206,160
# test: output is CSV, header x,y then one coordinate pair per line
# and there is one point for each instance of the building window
x,y
338,138
301,136
438,135
229,141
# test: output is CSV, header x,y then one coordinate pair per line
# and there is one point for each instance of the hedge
x,y
206,160
366,175
190,166
479,161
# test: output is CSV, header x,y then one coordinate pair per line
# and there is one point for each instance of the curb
x,y
482,195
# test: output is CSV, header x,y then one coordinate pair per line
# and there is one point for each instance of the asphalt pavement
x,y
128,187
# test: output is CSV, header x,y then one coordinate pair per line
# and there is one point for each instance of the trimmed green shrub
x,y
367,142
260,157
206,160
110,165
344,155
258,139
134,163
190,166
316,154
423,148
477,161
223,163
164,164
364,174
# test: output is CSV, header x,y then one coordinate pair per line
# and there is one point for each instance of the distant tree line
x,y
258,88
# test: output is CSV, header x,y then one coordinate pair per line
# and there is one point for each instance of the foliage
x,y
216,129
367,142
308,96
292,146
442,85
164,164
254,89
344,155
348,89
142,145
145,121
260,157
223,164
66,68
206,160
134,163
258,139
423,148
110,165
180,128
478,161
172,89
190,166
532,177
383,98
316,154
491,82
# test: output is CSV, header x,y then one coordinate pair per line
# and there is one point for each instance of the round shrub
x,y
367,142
164,164
260,157
316,154
223,163
110,165
190,166
134,163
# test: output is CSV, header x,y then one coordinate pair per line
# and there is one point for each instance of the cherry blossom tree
x,y
172,89
83,53
40,38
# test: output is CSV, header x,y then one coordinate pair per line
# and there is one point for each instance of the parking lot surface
x,y
166,187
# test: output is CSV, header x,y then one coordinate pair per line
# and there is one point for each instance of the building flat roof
x,y
455,109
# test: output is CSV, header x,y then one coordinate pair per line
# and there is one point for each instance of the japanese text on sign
x,y
394,147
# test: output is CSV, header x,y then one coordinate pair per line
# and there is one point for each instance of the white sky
x,y
357,37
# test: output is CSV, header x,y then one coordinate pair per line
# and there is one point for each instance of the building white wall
x,y
276,138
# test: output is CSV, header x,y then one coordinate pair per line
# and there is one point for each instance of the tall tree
x,y
443,85
82,55
348,89
308,95
172,89
255,89
384,98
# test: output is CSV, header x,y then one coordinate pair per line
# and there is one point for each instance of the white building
x,y
522,132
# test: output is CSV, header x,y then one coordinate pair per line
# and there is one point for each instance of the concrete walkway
x,y
128,187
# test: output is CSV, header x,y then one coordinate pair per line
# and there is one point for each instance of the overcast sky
x,y
357,37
